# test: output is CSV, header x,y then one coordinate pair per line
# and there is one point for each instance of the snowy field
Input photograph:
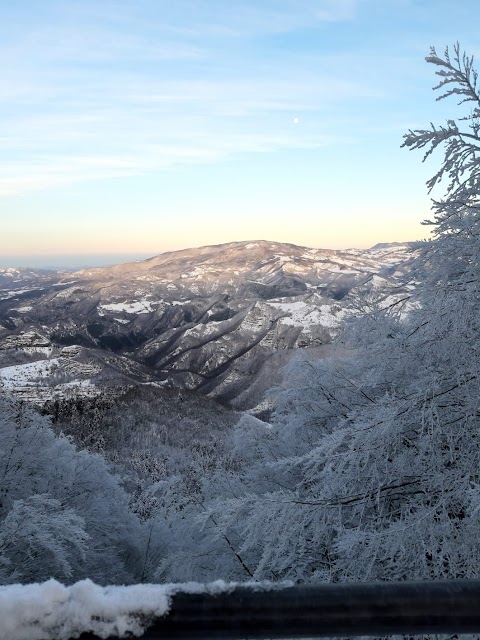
x,y
137,307
22,375
302,314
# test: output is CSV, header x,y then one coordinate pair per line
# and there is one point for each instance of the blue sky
x,y
138,126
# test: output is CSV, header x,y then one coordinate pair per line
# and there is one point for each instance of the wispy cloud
x,y
101,90
206,18
157,127
216,17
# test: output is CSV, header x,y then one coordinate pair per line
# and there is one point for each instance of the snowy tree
x,y
170,453
38,538
454,253
62,513
374,473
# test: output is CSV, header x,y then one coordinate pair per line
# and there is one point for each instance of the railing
x,y
348,610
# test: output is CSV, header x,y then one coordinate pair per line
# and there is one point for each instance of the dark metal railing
x,y
348,610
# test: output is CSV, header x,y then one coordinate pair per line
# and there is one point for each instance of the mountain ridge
x,y
208,319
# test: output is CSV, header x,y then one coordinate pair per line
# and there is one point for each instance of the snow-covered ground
x,y
37,379
22,375
137,306
305,315
7,295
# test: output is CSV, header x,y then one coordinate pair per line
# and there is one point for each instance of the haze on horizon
x,y
133,128
80,261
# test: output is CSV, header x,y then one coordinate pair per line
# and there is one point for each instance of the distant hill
x,y
220,320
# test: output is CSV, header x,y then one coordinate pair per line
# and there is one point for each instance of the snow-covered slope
x,y
208,319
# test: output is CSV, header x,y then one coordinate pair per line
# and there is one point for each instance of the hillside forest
x,y
368,465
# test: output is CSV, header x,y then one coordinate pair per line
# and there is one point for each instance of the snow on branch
x,y
462,145
459,72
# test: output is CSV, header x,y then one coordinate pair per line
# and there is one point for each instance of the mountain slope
x,y
209,319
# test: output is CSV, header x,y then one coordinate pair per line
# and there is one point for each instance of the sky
x,y
132,127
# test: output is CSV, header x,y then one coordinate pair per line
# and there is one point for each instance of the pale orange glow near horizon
x,y
158,238
139,136
145,231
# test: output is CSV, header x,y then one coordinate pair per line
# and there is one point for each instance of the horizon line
x,y
82,260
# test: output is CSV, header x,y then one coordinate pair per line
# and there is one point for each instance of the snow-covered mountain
x,y
219,319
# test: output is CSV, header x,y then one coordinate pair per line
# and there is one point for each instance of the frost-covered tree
x,y
374,473
454,253
39,538
62,513
167,449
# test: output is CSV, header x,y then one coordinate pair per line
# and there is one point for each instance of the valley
x,y
220,320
